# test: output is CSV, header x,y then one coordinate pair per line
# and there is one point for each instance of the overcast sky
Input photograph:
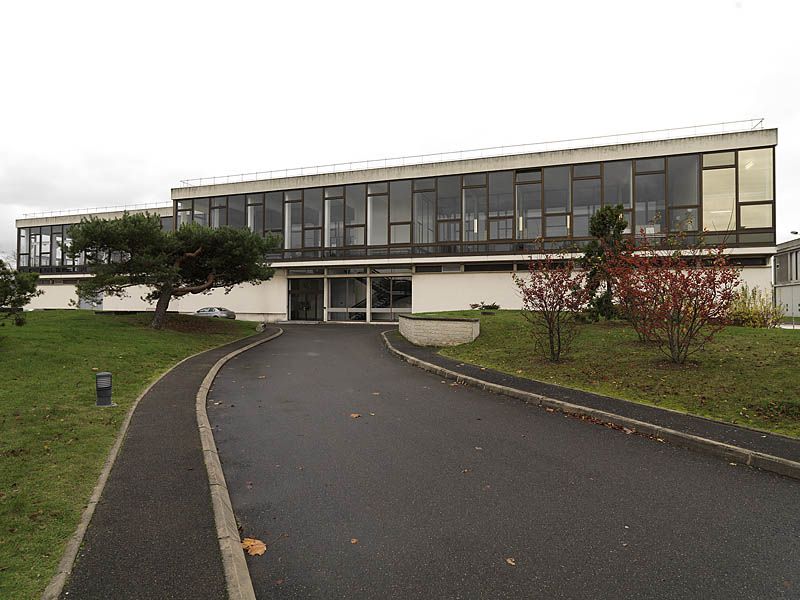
x,y
107,103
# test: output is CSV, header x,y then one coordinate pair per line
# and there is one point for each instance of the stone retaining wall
x,y
433,331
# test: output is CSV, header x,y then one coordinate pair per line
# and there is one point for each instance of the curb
x,y
56,585
729,452
237,576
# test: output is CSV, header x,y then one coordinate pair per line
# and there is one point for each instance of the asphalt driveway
x,y
443,487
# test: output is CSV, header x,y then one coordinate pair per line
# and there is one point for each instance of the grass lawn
x,y
745,376
53,441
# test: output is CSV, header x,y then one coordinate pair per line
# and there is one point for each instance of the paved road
x,y
444,483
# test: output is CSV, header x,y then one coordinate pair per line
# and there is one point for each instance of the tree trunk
x,y
160,316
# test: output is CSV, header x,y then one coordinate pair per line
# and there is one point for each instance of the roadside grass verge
x,y
744,376
53,441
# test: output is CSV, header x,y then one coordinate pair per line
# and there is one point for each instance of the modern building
x,y
787,277
369,241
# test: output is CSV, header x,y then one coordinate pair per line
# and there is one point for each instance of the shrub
x,y
484,306
752,307
553,298
677,298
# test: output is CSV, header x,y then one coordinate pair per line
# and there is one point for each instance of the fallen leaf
x,y
371,414
627,430
478,448
249,485
253,546
355,415
512,561
548,409
466,471
262,376
353,540
376,393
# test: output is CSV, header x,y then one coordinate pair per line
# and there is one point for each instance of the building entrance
x,y
306,299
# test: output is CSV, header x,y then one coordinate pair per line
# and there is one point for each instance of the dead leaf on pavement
x,y
628,430
511,561
354,540
376,393
253,546
262,376
355,415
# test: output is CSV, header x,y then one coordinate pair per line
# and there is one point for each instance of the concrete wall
x,y
54,296
439,332
433,292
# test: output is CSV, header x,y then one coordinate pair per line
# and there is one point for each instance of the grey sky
x,y
107,104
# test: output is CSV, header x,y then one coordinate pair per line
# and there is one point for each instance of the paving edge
x,y
767,462
56,585
237,576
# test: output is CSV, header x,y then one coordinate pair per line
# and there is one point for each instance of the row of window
x,y
787,267
43,248
718,192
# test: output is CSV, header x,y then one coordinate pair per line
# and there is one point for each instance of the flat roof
x,y
229,184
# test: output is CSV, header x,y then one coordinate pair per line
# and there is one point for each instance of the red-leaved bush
x,y
677,298
553,295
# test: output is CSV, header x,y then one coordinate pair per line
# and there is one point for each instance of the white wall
x,y
789,297
758,277
456,291
266,301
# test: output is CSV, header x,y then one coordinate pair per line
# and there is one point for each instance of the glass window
x,y
424,184
556,189
377,188
201,211
592,170
529,211
355,236
312,208
274,213
683,180
334,223
184,205
557,226
450,231
501,194
167,223
255,198
378,214
617,184
474,214
400,234
293,195
683,219
755,215
312,238
293,228
255,218
401,294
400,201
719,199
236,212
356,204
720,159
381,292
649,200
424,217
755,175
529,176
449,197
23,241
475,179
219,202
501,229
585,202
649,164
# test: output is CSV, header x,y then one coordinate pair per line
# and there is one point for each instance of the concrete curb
x,y
237,576
731,453
56,585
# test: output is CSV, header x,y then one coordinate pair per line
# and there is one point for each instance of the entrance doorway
x,y
306,299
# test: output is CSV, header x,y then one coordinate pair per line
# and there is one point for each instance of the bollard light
x,y
103,386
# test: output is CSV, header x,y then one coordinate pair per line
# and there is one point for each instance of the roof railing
x,y
98,209
495,151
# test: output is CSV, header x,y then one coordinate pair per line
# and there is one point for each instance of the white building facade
x,y
369,244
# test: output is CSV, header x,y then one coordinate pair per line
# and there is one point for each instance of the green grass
x,y
744,376
53,441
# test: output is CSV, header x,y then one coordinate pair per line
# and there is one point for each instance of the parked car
x,y
216,312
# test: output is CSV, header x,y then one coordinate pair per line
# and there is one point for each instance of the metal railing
x,y
97,209
495,151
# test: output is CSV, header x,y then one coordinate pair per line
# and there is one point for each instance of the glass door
x,y
305,299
